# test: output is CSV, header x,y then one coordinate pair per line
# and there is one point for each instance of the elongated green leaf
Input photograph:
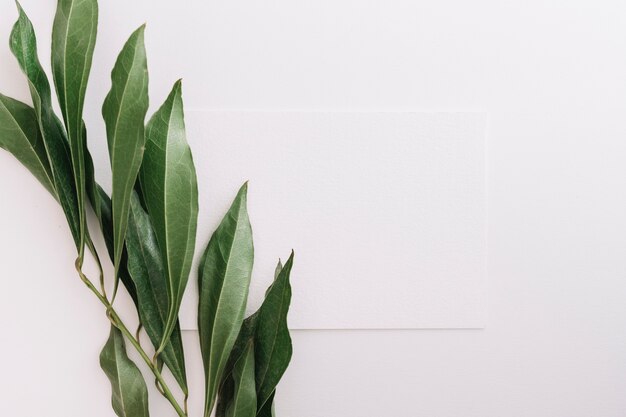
x,y
24,46
91,186
272,340
130,393
243,403
19,135
224,279
268,408
249,332
124,113
106,222
73,41
227,383
170,191
145,266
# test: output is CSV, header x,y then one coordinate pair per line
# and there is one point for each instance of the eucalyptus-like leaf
x,y
102,199
91,186
170,191
130,393
124,113
227,383
263,345
146,269
19,135
23,44
224,280
268,409
272,340
243,403
73,42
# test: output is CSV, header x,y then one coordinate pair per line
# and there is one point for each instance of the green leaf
x,y
268,408
243,403
145,266
19,135
224,279
227,384
274,351
73,41
130,393
92,186
170,190
106,222
272,340
124,113
23,44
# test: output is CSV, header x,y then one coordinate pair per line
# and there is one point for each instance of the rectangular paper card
x,y
386,212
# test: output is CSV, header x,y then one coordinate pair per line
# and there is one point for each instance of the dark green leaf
x,y
168,182
102,200
73,41
91,185
145,266
124,113
268,408
272,340
243,403
227,384
24,46
19,134
130,393
246,335
224,279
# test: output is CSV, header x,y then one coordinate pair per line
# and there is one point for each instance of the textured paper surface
x,y
386,212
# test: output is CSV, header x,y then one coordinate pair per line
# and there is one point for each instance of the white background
x,y
386,212
552,76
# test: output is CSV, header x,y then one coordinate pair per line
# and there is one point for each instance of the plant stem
x,y
117,322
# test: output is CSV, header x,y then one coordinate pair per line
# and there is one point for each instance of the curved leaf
x,y
19,135
272,340
277,355
224,280
243,403
268,408
23,44
145,266
168,182
73,41
130,393
227,383
124,113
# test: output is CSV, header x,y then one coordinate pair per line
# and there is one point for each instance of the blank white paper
x,y
386,212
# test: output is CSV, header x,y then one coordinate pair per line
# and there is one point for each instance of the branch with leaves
x,y
148,224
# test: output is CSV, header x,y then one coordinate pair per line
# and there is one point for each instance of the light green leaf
x,y
145,266
19,135
272,340
243,403
23,44
170,190
124,113
73,41
130,393
224,280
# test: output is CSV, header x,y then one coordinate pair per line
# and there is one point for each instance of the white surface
x,y
386,212
551,74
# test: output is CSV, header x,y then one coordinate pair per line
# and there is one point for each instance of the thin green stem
x,y
117,322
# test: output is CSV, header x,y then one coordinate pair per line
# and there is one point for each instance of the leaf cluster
x,y
148,223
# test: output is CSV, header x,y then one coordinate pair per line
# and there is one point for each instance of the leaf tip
x,y
140,30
